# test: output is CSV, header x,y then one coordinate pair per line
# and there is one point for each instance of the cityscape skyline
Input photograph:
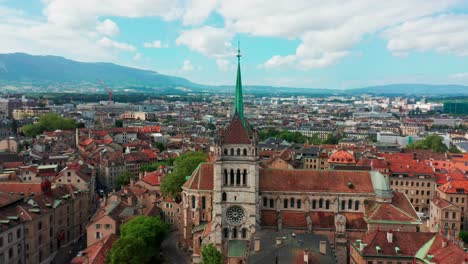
x,y
327,46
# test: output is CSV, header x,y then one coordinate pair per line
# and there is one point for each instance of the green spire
x,y
239,101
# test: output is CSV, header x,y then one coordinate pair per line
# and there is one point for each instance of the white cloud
x,y
157,44
327,29
224,65
137,56
278,61
461,75
207,40
196,11
108,28
187,66
447,33
109,43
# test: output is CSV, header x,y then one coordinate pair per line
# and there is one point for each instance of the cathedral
x,y
229,201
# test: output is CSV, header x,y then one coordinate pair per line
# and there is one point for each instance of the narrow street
x,y
172,252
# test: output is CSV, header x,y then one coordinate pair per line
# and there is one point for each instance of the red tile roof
x,y
342,157
293,218
97,252
315,180
268,218
153,178
441,203
201,178
400,210
236,133
410,167
16,187
455,186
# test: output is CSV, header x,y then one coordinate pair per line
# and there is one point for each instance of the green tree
x,y
211,255
118,123
183,167
332,139
140,241
463,235
160,146
454,149
434,142
48,122
315,139
154,166
123,179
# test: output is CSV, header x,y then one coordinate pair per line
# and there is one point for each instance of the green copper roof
x,y
239,101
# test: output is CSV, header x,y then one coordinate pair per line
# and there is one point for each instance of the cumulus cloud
x,y
108,27
327,30
447,33
207,40
109,43
196,11
157,44
187,66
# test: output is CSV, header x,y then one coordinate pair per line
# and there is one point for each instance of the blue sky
x,y
302,43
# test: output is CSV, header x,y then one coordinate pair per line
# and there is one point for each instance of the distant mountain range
x,y
43,73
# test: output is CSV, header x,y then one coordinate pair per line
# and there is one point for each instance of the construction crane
x,y
109,91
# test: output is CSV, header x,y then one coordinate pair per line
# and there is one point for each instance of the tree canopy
x,y
123,179
48,122
211,255
183,167
140,241
434,142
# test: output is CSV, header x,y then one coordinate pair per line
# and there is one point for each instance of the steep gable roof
x,y
201,178
236,132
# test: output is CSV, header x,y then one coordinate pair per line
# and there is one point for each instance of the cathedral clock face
x,y
235,215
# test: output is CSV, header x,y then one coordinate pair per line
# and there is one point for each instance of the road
x,y
173,252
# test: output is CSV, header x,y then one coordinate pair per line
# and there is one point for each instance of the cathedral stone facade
x,y
226,201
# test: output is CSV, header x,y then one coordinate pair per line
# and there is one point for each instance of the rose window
x,y
235,215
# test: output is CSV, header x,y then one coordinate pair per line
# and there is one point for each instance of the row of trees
x,y
48,122
297,137
433,142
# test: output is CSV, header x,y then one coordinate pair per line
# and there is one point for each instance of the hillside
x,y
33,73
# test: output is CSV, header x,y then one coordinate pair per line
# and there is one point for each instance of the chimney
x,y
140,175
390,236
132,182
306,256
323,247
279,241
444,243
256,244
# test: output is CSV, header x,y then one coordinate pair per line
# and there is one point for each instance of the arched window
x,y
225,233
265,202
327,204
232,151
244,178
203,202
299,203
321,203
244,232
245,152
356,205
226,177
285,204
224,197
292,202
238,177
350,204
225,151
238,152
234,232
232,177
193,201
343,205
314,204
272,203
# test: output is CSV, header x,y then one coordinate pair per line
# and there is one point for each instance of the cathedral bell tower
x,y
235,209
